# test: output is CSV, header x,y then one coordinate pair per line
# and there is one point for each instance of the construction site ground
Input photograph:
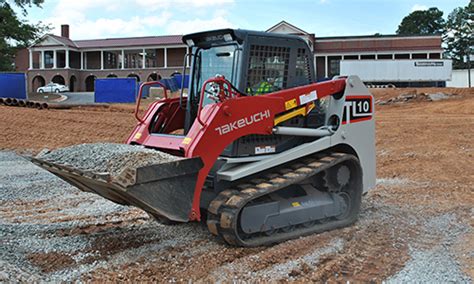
x,y
416,225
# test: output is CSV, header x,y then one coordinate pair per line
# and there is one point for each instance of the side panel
x,y
358,130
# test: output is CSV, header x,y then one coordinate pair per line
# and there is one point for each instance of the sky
x,y
91,19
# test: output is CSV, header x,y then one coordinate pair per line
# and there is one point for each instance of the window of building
x,y
351,57
175,56
367,57
133,59
61,58
92,60
112,59
402,56
384,56
334,65
268,65
74,59
151,58
48,59
419,56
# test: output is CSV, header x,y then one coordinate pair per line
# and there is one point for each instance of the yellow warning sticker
x,y
137,136
295,204
291,104
187,140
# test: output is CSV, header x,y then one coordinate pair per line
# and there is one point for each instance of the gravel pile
x,y
109,158
42,215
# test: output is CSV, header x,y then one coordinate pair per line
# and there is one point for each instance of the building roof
x,y
371,37
64,40
290,26
114,42
130,41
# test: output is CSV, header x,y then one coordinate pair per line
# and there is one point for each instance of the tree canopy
x,y
425,22
14,32
459,36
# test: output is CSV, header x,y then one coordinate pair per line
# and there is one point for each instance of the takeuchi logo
x,y
243,122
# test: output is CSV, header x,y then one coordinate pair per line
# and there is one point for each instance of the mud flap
x,y
165,189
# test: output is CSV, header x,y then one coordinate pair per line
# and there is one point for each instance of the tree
x,y
425,22
459,36
15,33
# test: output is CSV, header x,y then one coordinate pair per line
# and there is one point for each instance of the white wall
x,y
460,80
413,70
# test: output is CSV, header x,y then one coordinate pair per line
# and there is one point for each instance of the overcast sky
x,y
113,18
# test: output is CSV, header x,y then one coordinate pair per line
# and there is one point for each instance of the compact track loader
x,y
266,153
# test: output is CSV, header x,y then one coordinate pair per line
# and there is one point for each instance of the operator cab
x,y
255,63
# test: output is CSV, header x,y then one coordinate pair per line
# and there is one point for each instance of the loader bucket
x,y
165,190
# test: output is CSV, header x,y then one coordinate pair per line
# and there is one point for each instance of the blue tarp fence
x,y
115,90
125,90
13,85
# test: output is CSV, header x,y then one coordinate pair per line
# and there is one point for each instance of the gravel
x,y
438,263
41,214
109,158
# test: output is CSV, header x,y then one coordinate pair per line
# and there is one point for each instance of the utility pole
x,y
469,70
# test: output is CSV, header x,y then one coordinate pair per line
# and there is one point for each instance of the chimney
x,y
65,31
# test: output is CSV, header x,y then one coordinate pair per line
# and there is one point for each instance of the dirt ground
x,y
416,225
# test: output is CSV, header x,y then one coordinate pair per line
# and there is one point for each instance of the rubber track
x,y
224,210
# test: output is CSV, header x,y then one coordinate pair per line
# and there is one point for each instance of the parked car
x,y
53,88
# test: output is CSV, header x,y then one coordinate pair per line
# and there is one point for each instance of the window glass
x,y
268,69
221,60
303,73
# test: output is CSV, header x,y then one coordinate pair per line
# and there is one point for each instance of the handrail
x,y
221,81
139,97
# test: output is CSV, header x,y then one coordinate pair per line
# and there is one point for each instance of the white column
x,y
42,60
411,56
123,59
82,60
67,58
326,67
143,59
31,59
393,56
358,56
54,59
101,60
166,57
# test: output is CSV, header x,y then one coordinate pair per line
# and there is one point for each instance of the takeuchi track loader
x,y
268,154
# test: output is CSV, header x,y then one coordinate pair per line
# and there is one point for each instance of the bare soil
x,y
425,174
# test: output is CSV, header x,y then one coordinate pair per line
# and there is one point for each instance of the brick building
x,y
77,63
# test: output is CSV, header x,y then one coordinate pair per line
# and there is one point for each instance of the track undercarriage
x,y
310,195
